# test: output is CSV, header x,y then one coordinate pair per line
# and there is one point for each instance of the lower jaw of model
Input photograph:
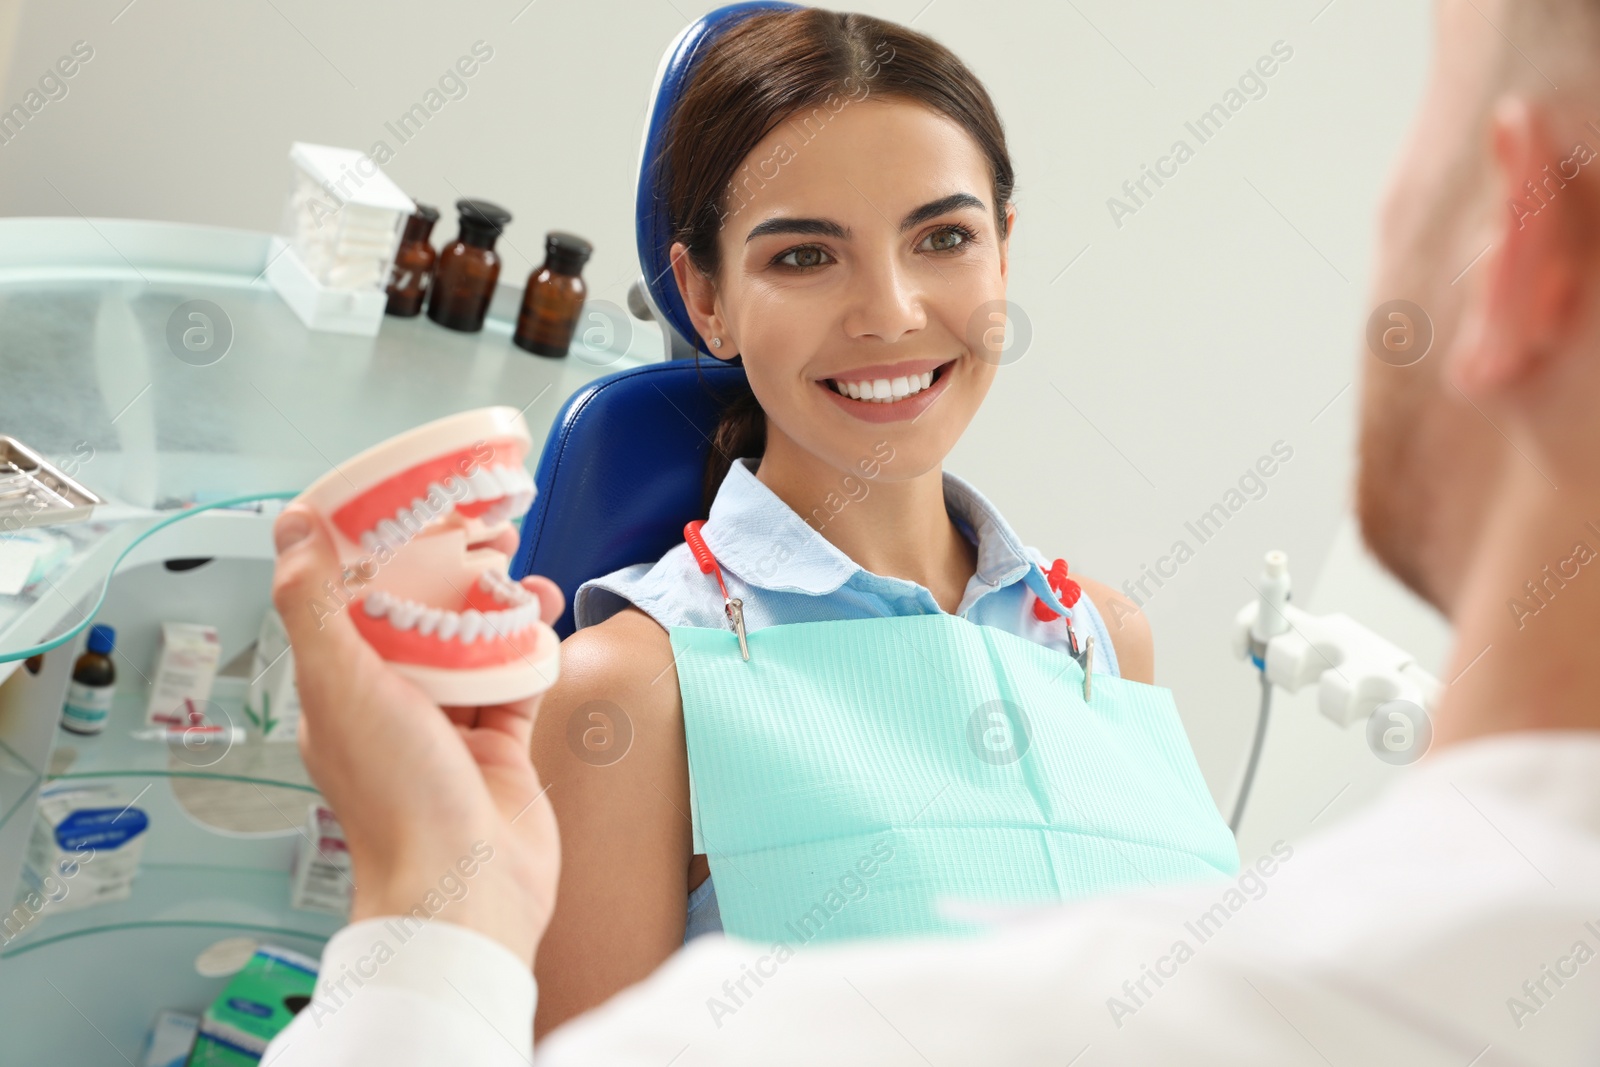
x,y
412,518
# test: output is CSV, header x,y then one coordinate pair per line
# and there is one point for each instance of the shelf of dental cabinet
x,y
230,591
82,987
86,374
238,808
223,825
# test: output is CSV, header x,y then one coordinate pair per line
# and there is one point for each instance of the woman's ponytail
x,y
742,431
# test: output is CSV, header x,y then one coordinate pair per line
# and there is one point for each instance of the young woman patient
x,y
840,195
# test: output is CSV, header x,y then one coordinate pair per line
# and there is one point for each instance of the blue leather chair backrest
x,y
623,468
653,221
622,472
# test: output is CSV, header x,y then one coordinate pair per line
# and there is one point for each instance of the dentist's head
x,y
1491,226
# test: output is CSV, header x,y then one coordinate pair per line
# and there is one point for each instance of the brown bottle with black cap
x,y
468,267
553,299
413,264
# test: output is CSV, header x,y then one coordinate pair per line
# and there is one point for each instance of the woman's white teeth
x,y
884,390
522,611
511,488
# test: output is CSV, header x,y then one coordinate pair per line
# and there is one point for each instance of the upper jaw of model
x,y
412,518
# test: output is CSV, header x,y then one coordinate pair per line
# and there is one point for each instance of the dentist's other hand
x,y
437,806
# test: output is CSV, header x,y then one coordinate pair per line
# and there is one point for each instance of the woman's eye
x,y
804,257
949,238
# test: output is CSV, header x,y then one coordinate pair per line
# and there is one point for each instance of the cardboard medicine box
x,y
186,665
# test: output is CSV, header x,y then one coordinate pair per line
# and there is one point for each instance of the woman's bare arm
x,y
625,835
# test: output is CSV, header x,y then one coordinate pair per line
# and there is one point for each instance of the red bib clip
x,y
1067,590
708,565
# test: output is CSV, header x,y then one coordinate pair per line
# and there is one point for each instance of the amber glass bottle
x,y
413,264
553,299
468,267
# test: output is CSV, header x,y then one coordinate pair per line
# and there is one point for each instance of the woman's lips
x,y
896,410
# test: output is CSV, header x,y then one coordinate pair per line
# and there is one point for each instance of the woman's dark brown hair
x,y
802,65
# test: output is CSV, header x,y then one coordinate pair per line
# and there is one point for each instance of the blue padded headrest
x,y
654,223
622,472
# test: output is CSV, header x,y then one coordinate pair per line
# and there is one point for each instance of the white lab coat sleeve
x,y
399,992
1084,988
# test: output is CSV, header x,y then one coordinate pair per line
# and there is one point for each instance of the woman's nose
x,y
886,303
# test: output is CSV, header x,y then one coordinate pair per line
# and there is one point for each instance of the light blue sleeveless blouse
x,y
786,571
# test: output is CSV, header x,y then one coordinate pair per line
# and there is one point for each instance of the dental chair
x,y
621,471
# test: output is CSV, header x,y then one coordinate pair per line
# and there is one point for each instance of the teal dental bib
x,y
855,775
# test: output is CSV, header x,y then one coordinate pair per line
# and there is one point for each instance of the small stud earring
x,y
716,342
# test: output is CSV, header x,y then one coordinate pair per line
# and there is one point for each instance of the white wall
x,y
1222,317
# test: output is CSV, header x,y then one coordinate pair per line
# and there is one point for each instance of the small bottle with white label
x,y
94,683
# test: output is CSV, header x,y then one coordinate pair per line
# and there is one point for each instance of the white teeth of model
x,y
882,389
449,623
408,521
471,624
438,499
457,490
376,605
369,542
484,486
429,621
405,614
899,387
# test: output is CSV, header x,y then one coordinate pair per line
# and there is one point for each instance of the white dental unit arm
x,y
1356,670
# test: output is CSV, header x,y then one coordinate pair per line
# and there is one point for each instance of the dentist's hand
x,y
430,801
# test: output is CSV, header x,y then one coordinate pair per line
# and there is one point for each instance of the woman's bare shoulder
x,y
617,685
626,653
1129,630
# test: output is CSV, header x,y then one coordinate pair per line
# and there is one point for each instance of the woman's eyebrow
x,y
829,228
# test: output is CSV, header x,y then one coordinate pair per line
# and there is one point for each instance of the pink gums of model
x,y
413,519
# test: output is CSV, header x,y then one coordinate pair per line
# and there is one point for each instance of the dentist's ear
x,y
1532,301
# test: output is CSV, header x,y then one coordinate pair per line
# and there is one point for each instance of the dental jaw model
x,y
414,520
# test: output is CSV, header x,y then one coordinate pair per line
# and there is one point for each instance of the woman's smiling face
x,y
867,253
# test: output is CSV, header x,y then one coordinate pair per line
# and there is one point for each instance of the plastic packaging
x,y
85,847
